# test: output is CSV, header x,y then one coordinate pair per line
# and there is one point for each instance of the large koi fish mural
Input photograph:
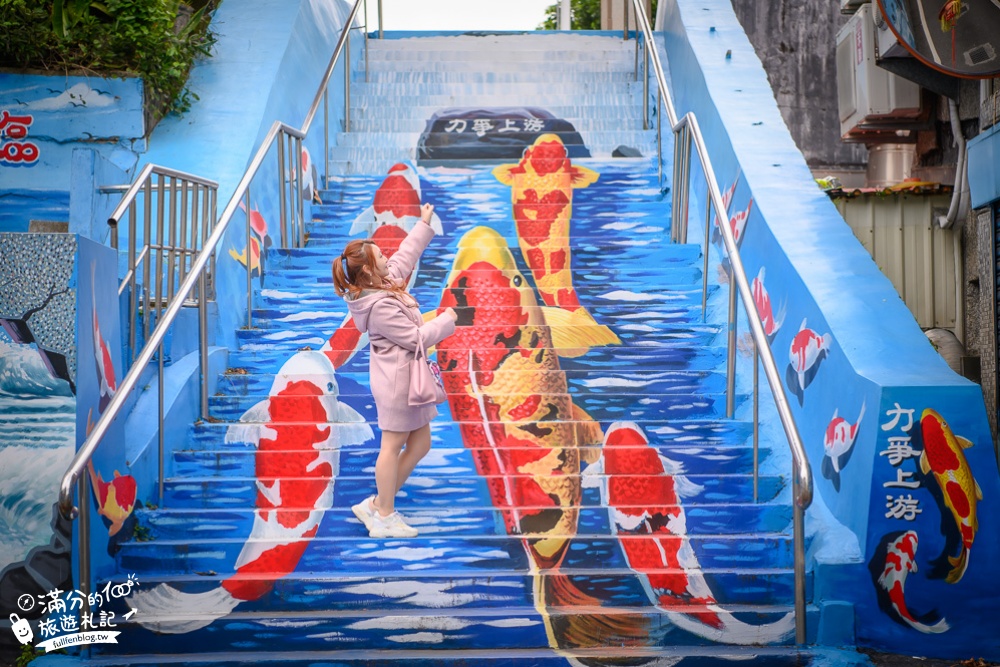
x,y
397,203
542,185
943,458
894,559
528,439
297,459
642,491
394,210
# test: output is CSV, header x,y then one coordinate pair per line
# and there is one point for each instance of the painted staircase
x,y
469,588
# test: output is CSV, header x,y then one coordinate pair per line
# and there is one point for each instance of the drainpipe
x,y
958,209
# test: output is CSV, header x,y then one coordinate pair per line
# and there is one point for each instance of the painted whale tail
x,y
166,610
729,630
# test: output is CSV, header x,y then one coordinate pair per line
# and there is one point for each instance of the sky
x,y
458,14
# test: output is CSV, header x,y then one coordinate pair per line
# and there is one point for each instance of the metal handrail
x,y
276,135
687,130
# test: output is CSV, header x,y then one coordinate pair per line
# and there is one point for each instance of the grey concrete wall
x,y
796,40
980,296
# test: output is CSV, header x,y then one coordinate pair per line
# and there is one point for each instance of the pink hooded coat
x,y
392,333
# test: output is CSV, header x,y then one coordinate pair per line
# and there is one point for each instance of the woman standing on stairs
x,y
375,291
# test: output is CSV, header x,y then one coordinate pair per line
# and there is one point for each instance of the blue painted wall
x,y
984,177
874,356
267,66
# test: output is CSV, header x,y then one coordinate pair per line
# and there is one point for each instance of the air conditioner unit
x,y
869,98
851,6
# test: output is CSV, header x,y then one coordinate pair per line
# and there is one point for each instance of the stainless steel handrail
x,y
687,130
278,134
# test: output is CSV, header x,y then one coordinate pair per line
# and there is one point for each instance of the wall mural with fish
x,y
60,365
899,445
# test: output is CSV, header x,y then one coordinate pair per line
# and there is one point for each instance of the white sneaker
x,y
364,511
390,526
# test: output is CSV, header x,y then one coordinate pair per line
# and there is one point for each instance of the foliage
x,y
584,15
27,654
156,40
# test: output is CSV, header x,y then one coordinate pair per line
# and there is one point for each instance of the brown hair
x,y
350,276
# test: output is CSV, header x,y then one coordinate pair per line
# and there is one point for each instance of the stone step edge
x,y
406,656
687,507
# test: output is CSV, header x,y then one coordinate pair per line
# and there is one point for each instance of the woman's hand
x,y
450,312
425,212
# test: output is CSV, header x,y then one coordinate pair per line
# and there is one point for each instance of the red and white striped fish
x,y
107,383
297,460
347,340
900,560
397,202
805,351
762,300
738,222
840,436
642,491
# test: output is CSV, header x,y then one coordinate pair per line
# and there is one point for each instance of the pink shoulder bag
x,y
426,384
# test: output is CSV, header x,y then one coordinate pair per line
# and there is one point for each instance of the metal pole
x,y
326,137
366,41
133,299
249,281
704,269
659,139
159,408
625,24
83,502
172,239
800,567
347,85
300,195
380,36
687,185
203,342
756,425
282,203
731,347
645,85
675,196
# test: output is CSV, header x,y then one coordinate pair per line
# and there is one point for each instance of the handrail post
x,y
645,85
704,269
380,35
731,347
159,412
659,138
798,531
300,194
249,278
625,24
203,342
756,425
326,136
347,84
282,195
83,503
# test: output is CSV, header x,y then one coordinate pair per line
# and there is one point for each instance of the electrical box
x,y
869,97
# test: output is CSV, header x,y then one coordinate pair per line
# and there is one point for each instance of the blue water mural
x,y
851,356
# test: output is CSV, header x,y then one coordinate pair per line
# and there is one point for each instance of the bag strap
x,y
421,351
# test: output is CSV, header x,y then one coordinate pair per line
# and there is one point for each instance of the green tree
x,y
155,39
584,15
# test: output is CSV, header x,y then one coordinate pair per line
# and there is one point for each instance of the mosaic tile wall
x,y
37,287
